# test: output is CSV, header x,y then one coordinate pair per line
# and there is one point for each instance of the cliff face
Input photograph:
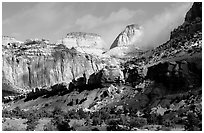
x,y
178,62
192,23
123,45
194,12
8,41
39,64
84,42
130,35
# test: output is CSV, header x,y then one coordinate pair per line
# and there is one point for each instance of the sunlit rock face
x,y
84,42
39,64
129,36
8,41
126,41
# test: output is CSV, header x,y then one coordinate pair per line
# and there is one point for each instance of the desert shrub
x,y
137,122
60,123
94,114
32,121
167,123
12,128
113,125
49,127
166,128
57,111
72,114
82,114
104,115
44,113
96,121
154,119
6,113
170,119
95,129
193,123
63,125
16,112
60,120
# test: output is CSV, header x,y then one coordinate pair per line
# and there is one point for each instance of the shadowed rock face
x,y
32,67
106,76
192,23
176,75
194,12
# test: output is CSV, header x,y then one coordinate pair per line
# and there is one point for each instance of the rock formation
x,y
84,42
177,64
129,36
125,41
194,12
192,23
106,76
8,41
158,90
39,64
177,75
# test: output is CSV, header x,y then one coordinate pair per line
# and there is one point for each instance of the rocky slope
x,y
159,90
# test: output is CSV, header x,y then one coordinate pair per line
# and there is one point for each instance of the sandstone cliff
x,y
38,64
84,42
8,41
129,36
125,42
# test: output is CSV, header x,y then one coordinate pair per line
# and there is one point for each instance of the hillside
x,y
57,87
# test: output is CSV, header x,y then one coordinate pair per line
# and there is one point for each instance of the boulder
x,y
175,75
134,75
106,76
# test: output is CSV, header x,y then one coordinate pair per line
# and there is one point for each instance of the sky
x,y
53,20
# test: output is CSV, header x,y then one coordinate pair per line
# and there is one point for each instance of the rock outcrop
x,y
38,64
84,42
106,76
192,23
129,36
177,76
8,42
124,44
194,12
159,90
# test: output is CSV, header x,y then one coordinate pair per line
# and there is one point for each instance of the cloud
x,y
89,21
40,13
40,20
54,20
110,33
157,29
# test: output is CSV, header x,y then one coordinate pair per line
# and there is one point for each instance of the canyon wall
x,y
40,64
